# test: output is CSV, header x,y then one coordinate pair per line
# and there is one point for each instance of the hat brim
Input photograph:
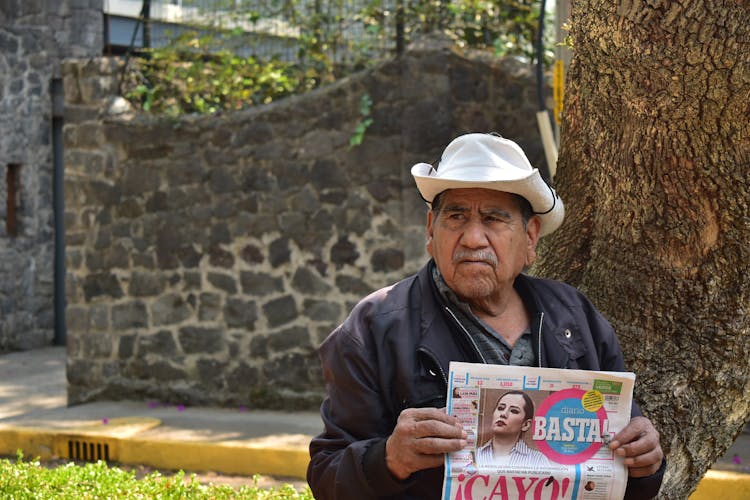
x,y
543,199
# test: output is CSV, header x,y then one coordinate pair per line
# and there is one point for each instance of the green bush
x,y
505,27
30,480
189,77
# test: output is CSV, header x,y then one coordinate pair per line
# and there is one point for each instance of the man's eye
x,y
491,219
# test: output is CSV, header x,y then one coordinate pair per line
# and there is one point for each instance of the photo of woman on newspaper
x,y
511,417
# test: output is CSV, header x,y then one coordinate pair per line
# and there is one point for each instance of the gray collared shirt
x,y
494,348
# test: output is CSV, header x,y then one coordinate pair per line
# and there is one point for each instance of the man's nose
x,y
474,234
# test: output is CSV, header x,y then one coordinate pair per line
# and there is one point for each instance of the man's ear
x,y
533,228
430,221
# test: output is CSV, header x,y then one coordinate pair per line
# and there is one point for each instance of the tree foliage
x,y
191,76
200,71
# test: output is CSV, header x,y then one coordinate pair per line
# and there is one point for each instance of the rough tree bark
x,y
654,169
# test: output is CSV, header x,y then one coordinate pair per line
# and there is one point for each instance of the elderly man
x,y
386,429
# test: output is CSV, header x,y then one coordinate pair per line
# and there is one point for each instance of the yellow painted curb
x,y
227,458
87,440
116,442
722,485
33,442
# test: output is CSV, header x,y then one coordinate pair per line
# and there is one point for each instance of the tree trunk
x,y
654,170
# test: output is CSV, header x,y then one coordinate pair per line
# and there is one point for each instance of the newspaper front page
x,y
537,433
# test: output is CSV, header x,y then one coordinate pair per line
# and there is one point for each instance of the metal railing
x,y
265,29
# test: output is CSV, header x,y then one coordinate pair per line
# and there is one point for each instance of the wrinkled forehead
x,y
479,197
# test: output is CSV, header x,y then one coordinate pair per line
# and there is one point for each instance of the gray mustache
x,y
480,255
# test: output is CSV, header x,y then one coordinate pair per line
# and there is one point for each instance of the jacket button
x,y
568,334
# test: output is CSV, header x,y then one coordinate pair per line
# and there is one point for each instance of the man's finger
x,y
644,444
433,445
639,433
434,428
418,414
645,459
644,471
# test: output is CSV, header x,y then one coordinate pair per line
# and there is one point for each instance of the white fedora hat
x,y
491,162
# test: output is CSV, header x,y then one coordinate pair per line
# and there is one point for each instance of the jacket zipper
x,y
539,340
468,335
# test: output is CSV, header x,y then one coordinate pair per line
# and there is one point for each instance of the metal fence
x,y
346,31
263,28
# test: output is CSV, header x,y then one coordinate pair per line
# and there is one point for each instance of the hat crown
x,y
483,157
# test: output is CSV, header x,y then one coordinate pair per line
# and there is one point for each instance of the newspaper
x,y
537,433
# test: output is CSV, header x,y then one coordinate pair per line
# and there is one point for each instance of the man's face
x,y
479,243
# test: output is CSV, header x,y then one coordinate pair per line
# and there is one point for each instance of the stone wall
x,y
35,36
207,257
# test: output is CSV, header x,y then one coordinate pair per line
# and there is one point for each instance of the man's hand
x,y
421,437
638,442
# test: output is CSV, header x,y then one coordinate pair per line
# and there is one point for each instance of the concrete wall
x,y
207,257
35,36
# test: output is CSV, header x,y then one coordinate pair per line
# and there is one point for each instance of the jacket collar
x,y
439,338
548,346
547,343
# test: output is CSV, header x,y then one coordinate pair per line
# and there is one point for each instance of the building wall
x,y
35,36
207,257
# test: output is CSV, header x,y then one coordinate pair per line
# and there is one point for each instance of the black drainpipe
x,y
58,176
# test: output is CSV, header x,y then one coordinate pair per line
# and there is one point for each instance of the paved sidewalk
x,y
34,417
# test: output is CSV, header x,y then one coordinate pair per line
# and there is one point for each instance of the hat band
x,y
554,199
